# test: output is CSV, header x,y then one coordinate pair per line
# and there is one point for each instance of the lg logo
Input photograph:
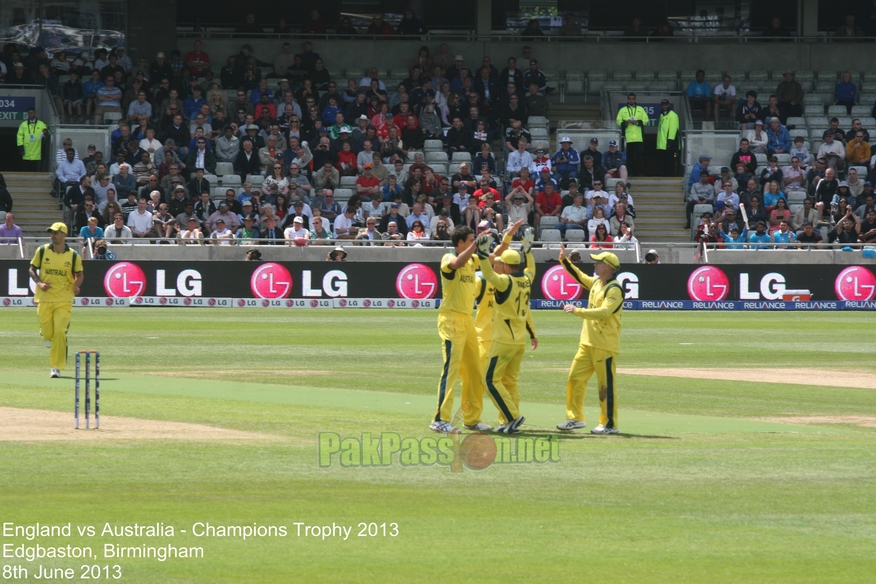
x,y
416,281
557,284
855,284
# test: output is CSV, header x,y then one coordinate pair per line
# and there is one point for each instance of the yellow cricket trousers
x,y
54,320
460,350
503,369
587,361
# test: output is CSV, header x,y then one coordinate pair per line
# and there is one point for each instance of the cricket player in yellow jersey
x,y
599,344
484,320
56,269
509,331
456,328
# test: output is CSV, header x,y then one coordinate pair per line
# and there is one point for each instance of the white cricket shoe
x,y
600,429
55,374
479,427
512,428
444,427
572,425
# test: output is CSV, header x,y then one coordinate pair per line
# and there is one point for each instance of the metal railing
x,y
692,35
784,248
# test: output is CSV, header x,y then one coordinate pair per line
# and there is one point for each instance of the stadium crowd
x,y
302,156
774,189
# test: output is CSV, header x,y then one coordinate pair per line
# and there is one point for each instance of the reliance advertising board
x,y
403,285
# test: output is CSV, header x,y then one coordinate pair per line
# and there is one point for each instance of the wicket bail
x,y
88,379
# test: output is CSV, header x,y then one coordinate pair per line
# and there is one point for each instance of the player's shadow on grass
x,y
586,434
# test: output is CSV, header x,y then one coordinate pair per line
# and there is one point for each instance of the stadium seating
x,y
223,168
550,235
576,235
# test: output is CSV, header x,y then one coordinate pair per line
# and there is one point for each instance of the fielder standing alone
x,y
599,345
56,268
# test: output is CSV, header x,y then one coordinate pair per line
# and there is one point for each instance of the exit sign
x,y
14,107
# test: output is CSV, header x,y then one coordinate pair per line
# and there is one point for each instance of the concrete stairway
x,y
659,210
33,206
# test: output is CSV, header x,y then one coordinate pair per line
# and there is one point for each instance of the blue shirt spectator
x,y
700,166
192,104
256,95
570,158
778,137
699,89
759,237
91,87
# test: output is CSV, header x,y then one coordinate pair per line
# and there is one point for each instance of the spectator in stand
x,y
780,214
621,220
749,112
458,138
565,163
801,151
631,118
379,27
778,138
703,164
846,92
850,135
845,231
485,158
701,193
536,103
547,203
809,235
805,214
771,173
773,194
573,216
535,76
856,185
745,157
790,95
824,190
849,31
758,140
518,206
699,94
727,198
867,228
772,110
832,152
9,231
838,133
858,151
614,162
590,173
794,177
202,157
601,237
724,96
519,159
108,99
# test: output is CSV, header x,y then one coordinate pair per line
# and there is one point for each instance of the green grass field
x,y
697,488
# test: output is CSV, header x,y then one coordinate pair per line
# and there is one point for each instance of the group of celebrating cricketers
x,y
485,353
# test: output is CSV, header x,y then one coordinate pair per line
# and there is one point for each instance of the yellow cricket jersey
x,y
511,314
458,287
486,301
602,317
58,270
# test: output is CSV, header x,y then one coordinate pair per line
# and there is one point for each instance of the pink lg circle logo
x,y
708,284
271,280
124,280
416,281
557,284
855,283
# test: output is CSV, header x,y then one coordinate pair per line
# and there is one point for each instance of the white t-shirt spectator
x,y
342,222
724,94
141,222
291,232
223,234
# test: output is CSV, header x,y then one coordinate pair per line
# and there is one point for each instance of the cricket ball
x,y
478,451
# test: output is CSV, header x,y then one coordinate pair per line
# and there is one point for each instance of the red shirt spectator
x,y
347,158
482,192
548,203
197,60
367,184
527,184
271,108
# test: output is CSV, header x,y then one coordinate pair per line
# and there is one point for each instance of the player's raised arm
x,y
463,258
501,282
614,299
580,277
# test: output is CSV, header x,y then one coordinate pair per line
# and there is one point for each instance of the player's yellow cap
x,y
511,257
59,226
606,257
